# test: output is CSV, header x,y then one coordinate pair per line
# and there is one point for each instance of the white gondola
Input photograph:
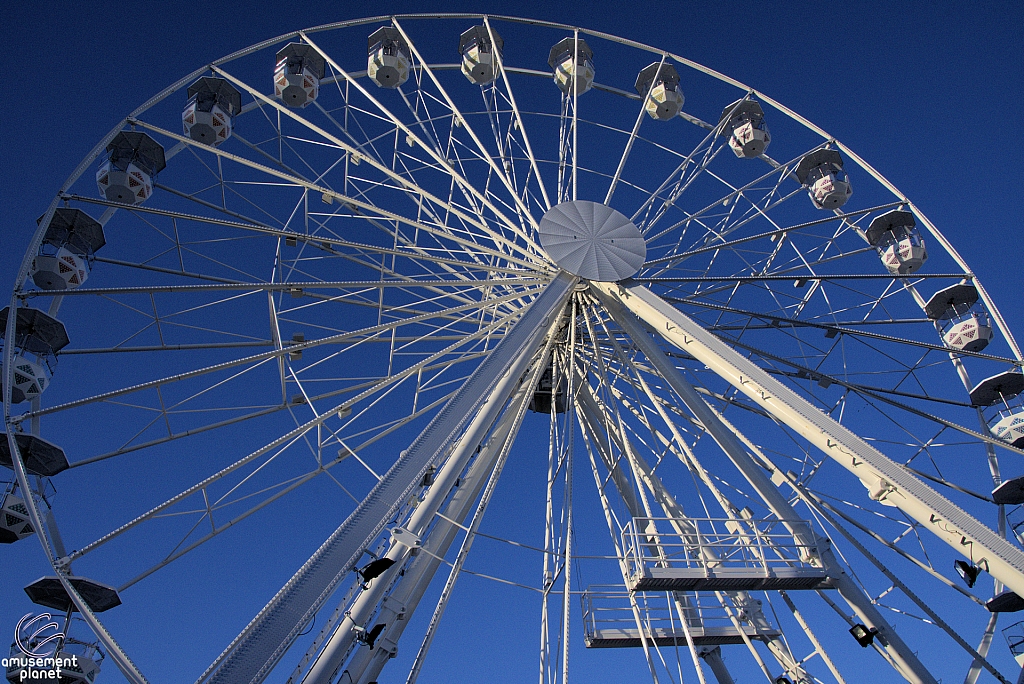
x,y
40,459
66,253
210,111
745,127
297,74
1009,426
39,456
389,60
37,339
964,325
658,84
898,242
480,54
133,160
822,173
573,64
1003,389
14,518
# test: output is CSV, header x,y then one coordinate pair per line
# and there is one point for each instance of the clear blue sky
x,y
928,93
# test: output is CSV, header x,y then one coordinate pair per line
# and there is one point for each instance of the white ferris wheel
x,y
531,328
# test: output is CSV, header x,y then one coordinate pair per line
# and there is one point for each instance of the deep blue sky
x,y
929,94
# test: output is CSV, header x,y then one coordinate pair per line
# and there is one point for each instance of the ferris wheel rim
x,y
23,274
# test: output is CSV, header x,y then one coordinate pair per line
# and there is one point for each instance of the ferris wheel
x,y
519,338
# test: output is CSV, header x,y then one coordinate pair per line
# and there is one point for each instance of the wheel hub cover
x,y
592,241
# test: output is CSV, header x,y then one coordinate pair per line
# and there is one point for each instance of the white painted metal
x,y
367,664
330,659
271,632
625,299
894,484
592,241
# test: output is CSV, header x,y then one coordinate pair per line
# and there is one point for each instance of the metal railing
x,y
608,614
708,546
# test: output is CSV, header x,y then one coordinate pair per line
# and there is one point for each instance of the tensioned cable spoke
x,y
409,186
257,358
880,397
359,285
518,118
506,222
729,244
339,197
845,328
283,233
731,198
632,135
283,489
287,438
484,154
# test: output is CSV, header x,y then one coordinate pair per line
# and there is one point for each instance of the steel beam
x,y
250,656
624,299
333,654
366,663
891,484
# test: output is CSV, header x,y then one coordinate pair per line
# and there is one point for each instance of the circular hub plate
x,y
592,241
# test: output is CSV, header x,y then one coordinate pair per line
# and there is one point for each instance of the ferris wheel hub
x,y
592,240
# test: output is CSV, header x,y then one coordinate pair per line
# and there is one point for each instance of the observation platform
x,y
705,554
609,621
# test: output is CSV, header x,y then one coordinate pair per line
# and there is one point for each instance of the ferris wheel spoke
x,y
1004,559
775,233
258,359
518,120
453,151
461,119
779,275
735,193
645,99
353,202
679,180
407,185
725,226
342,410
184,548
844,328
513,149
865,338
442,162
356,286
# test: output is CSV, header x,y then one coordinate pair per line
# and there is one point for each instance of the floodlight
x,y
865,636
